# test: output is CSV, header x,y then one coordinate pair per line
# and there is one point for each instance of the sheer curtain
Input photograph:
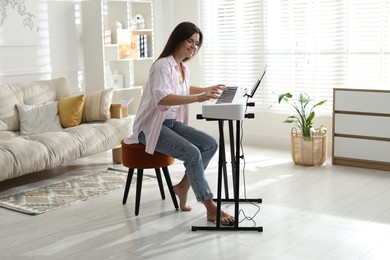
x,y
308,45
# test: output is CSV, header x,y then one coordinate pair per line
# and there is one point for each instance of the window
x,y
308,45
233,45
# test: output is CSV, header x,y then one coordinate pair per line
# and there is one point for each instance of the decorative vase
x,y
308,151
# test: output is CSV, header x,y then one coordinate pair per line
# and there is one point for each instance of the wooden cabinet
x,y
361,128
118,46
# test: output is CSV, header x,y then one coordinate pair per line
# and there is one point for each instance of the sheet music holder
x,y
257,84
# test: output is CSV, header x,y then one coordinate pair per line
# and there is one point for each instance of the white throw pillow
x,y
39,119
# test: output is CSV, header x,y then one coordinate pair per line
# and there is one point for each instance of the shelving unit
x,y
112,47
135,68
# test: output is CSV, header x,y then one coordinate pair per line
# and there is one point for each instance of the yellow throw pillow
x,y
70,110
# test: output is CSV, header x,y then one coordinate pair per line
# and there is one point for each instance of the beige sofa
x,y
33,136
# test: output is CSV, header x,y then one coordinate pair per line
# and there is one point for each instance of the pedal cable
x,y
249,218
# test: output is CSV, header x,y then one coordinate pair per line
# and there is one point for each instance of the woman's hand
x,y
211,92
216,89
206,96
207,93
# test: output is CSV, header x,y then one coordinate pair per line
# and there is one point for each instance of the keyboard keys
x,y
227,95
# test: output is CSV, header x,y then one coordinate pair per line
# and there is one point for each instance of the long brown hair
x,y
182,32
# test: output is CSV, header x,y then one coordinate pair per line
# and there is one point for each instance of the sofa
x,y
43,126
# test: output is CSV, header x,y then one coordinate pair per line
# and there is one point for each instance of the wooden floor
x,y
327,213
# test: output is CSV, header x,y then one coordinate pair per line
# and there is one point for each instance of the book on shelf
x,y
124,42
132,45
143,43
107,36
139,46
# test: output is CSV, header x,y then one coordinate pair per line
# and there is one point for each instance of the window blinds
x,y
308,45
233,42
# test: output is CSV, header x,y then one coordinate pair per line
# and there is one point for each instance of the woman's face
x,y
190,46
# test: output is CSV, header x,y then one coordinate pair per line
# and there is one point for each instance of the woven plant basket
x,y
308,151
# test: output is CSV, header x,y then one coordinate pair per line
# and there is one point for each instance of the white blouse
x,y
182,90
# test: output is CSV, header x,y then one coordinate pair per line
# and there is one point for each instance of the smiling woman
x,y
161,123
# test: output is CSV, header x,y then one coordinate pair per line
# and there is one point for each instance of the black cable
x,y
249,218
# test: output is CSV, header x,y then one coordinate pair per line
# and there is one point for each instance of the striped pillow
x,y
97,106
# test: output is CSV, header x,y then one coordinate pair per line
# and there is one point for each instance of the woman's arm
x,y
197,94
212,89
175,100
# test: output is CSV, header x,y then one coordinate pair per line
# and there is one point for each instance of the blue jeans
x,y
193,147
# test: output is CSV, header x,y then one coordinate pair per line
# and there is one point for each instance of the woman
x,y
162,117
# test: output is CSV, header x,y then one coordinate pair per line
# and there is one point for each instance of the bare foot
x,y
182,194
226,219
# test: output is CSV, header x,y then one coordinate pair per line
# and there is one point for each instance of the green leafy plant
x,y
304,119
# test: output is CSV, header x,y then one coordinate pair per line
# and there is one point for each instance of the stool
x,y
135,157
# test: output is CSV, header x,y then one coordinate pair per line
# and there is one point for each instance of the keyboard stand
x,y
222,173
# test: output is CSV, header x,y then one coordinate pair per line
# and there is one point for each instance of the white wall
x,y
65,42
51,51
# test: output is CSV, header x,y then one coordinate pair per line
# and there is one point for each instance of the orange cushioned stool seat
x,y
135,157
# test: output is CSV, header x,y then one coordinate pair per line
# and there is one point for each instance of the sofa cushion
x,y
18,155
32,153
9,119
97,106
41,118
29,93
24,154
70,110
8,134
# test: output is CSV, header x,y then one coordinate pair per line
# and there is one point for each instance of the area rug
x,y
58,195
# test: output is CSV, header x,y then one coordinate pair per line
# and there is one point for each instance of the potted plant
x,y
308,144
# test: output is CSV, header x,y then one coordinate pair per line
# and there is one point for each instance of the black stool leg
x,y
127,186
170,187
160,184
140,174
